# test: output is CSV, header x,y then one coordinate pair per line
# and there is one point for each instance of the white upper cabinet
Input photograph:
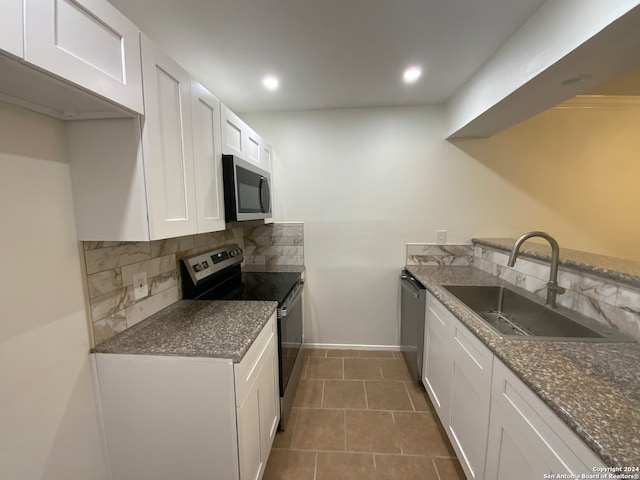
x,y
253,146
207,156
265,156
161,178
88,43
240,139
11,33
234,133
167,145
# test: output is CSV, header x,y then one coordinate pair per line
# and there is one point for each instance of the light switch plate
x,y
140,286
441,237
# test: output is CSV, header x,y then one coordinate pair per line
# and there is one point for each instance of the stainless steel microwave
x,y
247,190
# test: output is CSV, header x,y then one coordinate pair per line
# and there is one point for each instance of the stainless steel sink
x,y
522,315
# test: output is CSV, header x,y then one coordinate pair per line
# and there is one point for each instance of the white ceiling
x,y
329,53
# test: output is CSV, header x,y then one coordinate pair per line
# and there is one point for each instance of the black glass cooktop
x,y
268,285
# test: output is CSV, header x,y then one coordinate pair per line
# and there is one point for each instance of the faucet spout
x,y
553,289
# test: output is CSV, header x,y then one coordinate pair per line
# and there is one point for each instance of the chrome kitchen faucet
x,y
553,288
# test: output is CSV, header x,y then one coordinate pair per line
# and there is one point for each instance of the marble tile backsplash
x,y
432,254
110,267
279,246
609,302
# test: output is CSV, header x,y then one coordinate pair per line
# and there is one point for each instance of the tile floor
x,y
359,415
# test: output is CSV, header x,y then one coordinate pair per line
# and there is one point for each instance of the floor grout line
x,y
366,397
315,467
344,417
410,399
435,467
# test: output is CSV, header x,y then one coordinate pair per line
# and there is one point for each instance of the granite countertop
x,y
619,269
593,387
195,328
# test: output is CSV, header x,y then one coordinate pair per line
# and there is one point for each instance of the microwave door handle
x,y
260,194
264,188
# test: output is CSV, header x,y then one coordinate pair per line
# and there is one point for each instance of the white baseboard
x,y
351,346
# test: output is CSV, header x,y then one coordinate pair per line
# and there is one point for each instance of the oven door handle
x,y
282,312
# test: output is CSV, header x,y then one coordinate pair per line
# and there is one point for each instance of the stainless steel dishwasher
x,y
413,304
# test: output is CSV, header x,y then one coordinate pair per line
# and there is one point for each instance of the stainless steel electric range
x,y
217,275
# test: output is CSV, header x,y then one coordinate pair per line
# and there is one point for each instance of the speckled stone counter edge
x,y
617,445
618,269
164,333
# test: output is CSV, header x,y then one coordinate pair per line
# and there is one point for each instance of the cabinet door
x,y
254,143
249,440
168,145
234,133
437,364
207,151
510,454
526,436
11,33
90,44
258,418
269,401
468,421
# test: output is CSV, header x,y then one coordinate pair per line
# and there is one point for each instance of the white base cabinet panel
x,y
527,438
166,418
457,375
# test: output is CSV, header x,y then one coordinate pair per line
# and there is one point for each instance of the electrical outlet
x,y
140,286
441,237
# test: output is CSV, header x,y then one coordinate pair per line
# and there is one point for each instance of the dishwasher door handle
x,y
410,284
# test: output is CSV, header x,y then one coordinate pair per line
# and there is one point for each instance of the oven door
x,y
289,347
290,335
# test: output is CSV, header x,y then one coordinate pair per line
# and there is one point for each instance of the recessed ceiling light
x,y
271,82
412,74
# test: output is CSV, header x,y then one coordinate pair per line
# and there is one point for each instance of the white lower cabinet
x,y
498,427
526,439
457,376
184,417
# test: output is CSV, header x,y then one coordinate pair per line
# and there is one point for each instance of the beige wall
x,y
47,414
582,163
367,181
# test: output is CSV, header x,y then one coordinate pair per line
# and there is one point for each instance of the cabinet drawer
x,y
562,450
248,369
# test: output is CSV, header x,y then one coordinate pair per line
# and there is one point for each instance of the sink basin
x,y
522,315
